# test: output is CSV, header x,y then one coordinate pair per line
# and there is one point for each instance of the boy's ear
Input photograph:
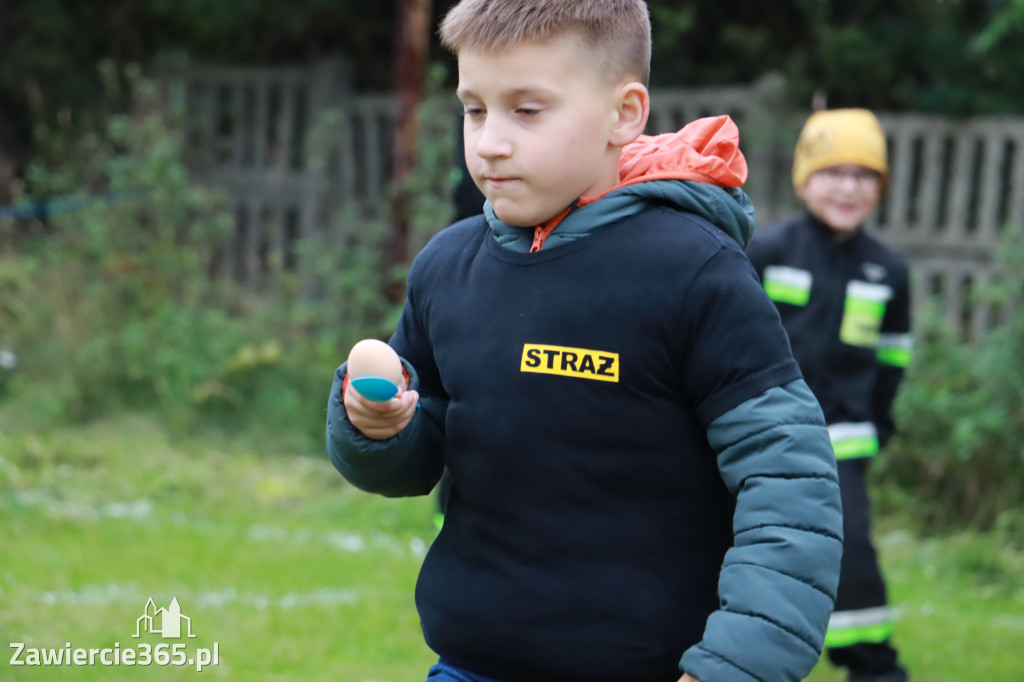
x,y
633,108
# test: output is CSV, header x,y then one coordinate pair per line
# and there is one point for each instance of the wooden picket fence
x,y
292,146
957,186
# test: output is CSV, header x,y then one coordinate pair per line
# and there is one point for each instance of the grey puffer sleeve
x,y
409,463
778,582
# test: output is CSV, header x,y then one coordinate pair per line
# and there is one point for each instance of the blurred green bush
x,y
118,305
958,459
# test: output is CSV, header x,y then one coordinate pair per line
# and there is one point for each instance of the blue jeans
x,y
444,671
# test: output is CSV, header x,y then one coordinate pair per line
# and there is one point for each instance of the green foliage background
x,y
939,56
954,57
119,306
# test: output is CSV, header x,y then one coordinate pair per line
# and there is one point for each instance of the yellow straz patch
x,y
570,362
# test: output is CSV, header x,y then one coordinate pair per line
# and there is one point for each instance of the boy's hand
x,y
380,420
688,678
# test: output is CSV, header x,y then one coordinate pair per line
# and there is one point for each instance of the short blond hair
x,y
616,32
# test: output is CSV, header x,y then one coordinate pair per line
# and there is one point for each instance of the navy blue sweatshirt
x,y
616,414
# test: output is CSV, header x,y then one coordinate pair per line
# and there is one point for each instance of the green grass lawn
x,y
296,576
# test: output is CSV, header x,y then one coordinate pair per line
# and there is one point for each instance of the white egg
x,y
373,358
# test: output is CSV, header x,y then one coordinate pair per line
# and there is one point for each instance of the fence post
x,y
331,79
768,149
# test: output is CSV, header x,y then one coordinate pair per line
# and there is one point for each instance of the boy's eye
x,y
527,111
473,111
860,176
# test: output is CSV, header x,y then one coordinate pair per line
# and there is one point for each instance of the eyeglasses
x,y
860,176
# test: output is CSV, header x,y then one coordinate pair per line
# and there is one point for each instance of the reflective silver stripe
x,y
850,441
895,350
860,618
868,291
849,628
787,275
850,430
784,284
901,341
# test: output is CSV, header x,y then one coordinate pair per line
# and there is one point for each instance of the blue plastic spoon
x,y
377,389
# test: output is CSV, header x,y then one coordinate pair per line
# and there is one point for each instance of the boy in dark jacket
x,y
845,302
643,488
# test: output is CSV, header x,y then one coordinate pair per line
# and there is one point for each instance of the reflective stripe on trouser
x,y
857,638
854,439
846,628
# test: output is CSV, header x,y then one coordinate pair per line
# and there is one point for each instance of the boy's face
x,y
538,127
842,196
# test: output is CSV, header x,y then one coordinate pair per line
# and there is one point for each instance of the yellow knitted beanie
x,y
839,136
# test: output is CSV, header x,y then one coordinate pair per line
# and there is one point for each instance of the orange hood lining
x,y
705,150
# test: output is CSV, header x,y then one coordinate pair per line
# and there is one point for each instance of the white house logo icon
x,y
170,621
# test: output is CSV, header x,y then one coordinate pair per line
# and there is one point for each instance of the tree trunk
x,y
11,149
411,52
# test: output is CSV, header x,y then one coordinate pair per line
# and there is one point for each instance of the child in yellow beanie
x,y
844,300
